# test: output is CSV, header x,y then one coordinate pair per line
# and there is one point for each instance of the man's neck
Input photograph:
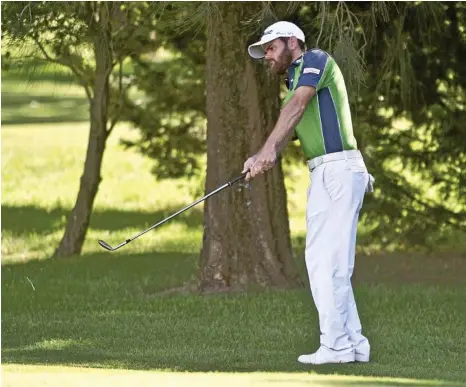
x,y
297,55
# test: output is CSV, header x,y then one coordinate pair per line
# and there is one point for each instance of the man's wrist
x,y
271,144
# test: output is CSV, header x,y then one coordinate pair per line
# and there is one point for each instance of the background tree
x,y
246,239
169,112
246,231
420,165
92,39
253,245
407,104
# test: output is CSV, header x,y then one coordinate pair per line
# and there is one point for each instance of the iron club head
x,y
105,245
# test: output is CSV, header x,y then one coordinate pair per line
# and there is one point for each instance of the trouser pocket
x,y
333,181
358,165
342,179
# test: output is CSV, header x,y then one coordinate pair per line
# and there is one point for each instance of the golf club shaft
x,y
230,183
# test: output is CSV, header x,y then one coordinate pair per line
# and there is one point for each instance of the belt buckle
x,y
318,161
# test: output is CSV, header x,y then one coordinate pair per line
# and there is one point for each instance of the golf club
x,y
105,245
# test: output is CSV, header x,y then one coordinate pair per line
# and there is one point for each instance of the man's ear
x,y
294,43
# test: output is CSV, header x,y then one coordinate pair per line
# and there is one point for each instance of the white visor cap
x,y
281,29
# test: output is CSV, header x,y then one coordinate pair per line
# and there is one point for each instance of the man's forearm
x,y
284,128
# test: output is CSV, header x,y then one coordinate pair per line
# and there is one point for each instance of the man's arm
x,y
283,131
289,117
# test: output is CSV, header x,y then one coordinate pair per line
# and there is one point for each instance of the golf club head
x,y
105,245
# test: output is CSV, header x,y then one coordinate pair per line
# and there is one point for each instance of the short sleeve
x,y
313,68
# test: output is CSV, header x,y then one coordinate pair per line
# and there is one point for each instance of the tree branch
x,y
122,91
321,24
66,64
24,9
336,20
432,208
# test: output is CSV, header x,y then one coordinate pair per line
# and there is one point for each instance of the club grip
x,y
242,176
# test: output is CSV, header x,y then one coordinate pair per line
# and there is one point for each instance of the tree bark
x,y
78,221
246,231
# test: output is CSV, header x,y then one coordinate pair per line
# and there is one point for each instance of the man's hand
x,y
247,166
289,117
264,161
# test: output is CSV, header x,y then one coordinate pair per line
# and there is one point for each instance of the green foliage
x,y
54,33
406,86
170,108
65,33
415,142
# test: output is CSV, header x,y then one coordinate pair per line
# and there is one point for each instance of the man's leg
x,y
327,244
332,205
353,323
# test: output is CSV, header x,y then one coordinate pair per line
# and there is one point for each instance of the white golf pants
x,y
335,197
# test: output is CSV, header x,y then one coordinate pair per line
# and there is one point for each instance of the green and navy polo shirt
x,y
326,125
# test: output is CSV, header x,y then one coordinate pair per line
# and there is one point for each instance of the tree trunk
x,y
246,231
78,221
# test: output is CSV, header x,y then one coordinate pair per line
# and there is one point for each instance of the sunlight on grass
x,y
18,376
175,237
42,101
28,89
42,156
36,157
52,344
170,238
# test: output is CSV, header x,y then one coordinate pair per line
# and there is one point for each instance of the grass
x,y
120,318
129,198
128,201
114,311
110,311
25,101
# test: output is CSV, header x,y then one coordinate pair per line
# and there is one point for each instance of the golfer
x,y
317,112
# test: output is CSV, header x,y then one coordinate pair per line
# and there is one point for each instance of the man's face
x,y
278,55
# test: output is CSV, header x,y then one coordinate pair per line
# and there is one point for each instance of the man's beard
x,y
280,66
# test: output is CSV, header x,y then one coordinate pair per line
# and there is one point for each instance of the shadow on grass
x,y
15,100
36,70
31,108
92,357
24,220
